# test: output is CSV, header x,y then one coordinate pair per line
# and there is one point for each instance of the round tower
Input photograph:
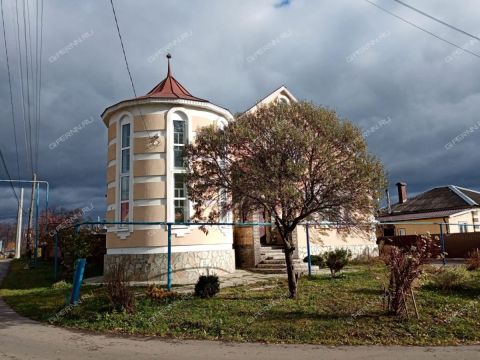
x,y
145,183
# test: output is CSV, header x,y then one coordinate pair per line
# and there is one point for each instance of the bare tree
x,y
295,161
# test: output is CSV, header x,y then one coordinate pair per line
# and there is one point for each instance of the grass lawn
x,y
346,310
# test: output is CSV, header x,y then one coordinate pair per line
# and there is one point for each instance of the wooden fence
x,y
457,245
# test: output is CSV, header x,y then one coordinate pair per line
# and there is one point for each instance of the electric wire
x,y
10,88
128,67
437,20
422,29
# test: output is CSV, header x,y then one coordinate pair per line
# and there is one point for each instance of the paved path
x,y
237,278
21,338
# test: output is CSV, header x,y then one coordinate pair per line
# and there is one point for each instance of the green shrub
x,y
451,278
336,260
207,286
62,284
316,260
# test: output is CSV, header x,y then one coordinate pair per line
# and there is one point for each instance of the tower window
x,y
178,143
180,198
125,174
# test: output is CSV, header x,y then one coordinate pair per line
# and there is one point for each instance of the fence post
x,y
55,264
77,281
442,242
308,250
37,203
169,256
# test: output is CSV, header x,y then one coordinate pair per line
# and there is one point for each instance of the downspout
x,y
389,205
447,224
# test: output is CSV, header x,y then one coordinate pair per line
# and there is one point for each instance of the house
x,y
145,183
455,207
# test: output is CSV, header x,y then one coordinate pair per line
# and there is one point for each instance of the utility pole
x,y
18,245
30,217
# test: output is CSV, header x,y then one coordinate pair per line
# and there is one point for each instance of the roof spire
x,y
168,59
170,88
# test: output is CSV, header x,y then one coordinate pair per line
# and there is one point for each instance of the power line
x,y
10,87
422,29
437,20
33,79
40,80
20,67
8,174
128,67
28,87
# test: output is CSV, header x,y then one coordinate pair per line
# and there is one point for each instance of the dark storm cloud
x,y
346,55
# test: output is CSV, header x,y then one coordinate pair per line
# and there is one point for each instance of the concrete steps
x,y
273,261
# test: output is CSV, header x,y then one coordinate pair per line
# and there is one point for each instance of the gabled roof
x,y
170,88
447,199
281,92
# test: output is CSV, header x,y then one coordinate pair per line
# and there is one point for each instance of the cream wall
x,y
151,178
158,237
452,221
466,217
334,238
419,228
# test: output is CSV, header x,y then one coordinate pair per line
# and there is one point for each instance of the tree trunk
x,y
292,277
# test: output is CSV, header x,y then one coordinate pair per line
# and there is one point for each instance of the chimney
x,y
402,192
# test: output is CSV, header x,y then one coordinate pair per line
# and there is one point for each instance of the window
x,y
178,143
180,198
125,174
178,204
463,227
402,232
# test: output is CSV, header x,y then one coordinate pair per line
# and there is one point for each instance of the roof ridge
x,y
464,188
464,197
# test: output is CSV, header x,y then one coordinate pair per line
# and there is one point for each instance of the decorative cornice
x,y
135,102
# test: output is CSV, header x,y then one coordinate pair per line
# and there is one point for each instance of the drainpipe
x,y
447,224
389,205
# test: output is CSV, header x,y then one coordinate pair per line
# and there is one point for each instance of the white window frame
x,y
463,226
125,120
180,198
176,114
402,232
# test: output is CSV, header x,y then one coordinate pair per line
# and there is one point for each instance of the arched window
x,y
180,139
282,99
124,174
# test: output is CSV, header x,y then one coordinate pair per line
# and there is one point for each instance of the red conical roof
x,y
170,88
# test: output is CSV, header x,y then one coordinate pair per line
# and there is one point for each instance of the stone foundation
x,y
356,250
186,266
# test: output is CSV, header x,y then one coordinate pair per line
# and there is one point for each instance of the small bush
x,y
118,290
156,293
406,267
62,284
452,278
367,260
473,260
316,260
207,286
336,260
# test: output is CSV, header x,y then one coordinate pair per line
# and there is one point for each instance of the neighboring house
x,y
455,207
145,183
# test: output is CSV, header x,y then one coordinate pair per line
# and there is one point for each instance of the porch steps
x,y
273,261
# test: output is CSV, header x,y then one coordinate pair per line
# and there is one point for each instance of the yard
x,y
341,311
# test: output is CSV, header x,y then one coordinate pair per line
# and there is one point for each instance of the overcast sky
x,y
411,93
